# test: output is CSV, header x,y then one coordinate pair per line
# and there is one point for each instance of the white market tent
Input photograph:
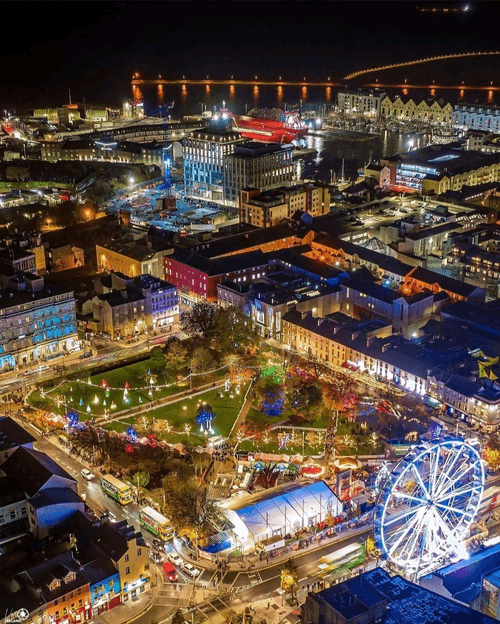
x,y
295,508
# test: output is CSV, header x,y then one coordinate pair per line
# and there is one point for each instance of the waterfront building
x,y
256,165
266,208
360,102
404,108
438,168
204,155
37,322
103,150
477,117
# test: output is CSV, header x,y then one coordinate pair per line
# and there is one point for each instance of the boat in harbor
x,y
269,125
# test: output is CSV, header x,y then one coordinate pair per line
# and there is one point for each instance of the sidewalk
x,y
255,564
131,610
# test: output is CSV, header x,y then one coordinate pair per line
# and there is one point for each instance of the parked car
x,y
170,571
85,355
191,570
86,474
175,559
157,544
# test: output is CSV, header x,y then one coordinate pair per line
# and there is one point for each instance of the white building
x,y
360,102
477,116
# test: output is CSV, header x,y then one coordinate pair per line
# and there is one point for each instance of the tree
x,y
202,321
157,362
190,510
176,356
141,479
307,399
235,331
201,361
178,618
492,452
289,577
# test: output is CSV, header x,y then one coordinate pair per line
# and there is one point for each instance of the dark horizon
x,y
96,56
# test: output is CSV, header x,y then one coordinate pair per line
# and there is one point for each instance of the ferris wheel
x,y
428,503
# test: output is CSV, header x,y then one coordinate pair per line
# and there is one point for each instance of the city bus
x,y
348,557
113,487
155,523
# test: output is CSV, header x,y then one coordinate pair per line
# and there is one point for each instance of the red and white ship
x,y
269,125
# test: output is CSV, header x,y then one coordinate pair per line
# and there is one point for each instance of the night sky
x,y
94,47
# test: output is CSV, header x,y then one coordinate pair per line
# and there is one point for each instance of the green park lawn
x,y
91,401
184,411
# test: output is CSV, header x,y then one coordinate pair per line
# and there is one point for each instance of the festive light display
x,y
273,404
132,434
205,417
427,505
72,418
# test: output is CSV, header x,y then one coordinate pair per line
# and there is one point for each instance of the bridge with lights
x,y
137,81
442,57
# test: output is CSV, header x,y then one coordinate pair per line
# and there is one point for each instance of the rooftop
x,y
32,470
13,435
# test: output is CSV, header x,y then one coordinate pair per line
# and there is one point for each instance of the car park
x,y
191,570
86,474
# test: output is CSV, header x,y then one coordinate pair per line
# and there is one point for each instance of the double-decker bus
x,y
155,523
113,487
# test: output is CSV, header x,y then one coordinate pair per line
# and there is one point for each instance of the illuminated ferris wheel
x,y
427,505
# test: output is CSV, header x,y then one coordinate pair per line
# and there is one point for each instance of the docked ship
x,y
273,125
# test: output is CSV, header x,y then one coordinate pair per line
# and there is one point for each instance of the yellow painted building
x,y
403,108
264,209
131,260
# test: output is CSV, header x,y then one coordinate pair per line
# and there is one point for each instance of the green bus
x,y
113,487
154,522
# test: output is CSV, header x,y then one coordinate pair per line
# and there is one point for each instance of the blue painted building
x,y
105,594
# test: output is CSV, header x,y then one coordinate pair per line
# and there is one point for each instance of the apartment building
x,y
37,322
132,306
268,208
405,108
132,259
360,102
477,117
